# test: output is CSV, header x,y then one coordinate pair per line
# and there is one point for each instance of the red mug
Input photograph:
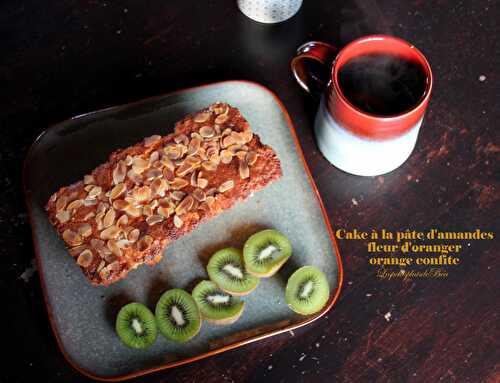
x,y
351,138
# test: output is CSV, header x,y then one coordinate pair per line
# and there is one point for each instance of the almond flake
x,y
85,230
178,222
151,174
199,195
129,160
194,178
225,186
184,169
109,218
134,211
147,211
110,233
221,118
185,205
75,251
150,141
154,219
202,182
61,203
244,169
159,187
207,131
179,183
89,202
238,138
226,156
122,221
209,166
194,146
181,139
120,204
85,258
210,200
63,216
94,192
139,164
88,179
114,248
227,141
211,192
118,190
142,193
201,117
172,151
167,162
165,211
133,236
251,158
72,238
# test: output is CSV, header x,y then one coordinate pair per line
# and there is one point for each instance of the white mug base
x,y
357,155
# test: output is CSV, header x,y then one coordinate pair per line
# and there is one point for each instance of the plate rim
x,y
219,350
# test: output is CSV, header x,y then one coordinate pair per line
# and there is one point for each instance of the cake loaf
x,y
126,211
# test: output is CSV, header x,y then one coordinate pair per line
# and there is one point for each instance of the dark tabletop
x,y
64,58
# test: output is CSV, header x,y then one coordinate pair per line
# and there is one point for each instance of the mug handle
x,y
312,66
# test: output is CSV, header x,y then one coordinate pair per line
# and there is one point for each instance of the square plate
x,y
82,315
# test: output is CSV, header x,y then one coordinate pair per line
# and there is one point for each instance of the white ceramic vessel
x,y
269,11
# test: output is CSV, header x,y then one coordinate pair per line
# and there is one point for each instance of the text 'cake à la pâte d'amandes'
x,y
130,208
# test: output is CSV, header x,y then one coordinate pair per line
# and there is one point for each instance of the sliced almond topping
x,y
154,156
76,204
119,172
165,211
139,164
244,169
129,160
181,139
201,117
94,192
120,204
167,162
168,174
134,177
142,193
211,191
226,156
247,136
85,230
133,236
72,238
157,165
177,195
251,158
204,206
98,220
184,169
199,195
227,141
194,146
75,251
109,218
88,188
114,266
122,221
173,151
234,148
134,211
221,118
110,233
147,210
118,190
63,216
202,182
61,203
150,141
114,248
194,178
154,219
207,131
225,186
178,222
185,205
89,202
88,179
151,174
159,187
238,138
209,166
123,243
85,258
210,200
104,273
101,266
144,243
89,215
241,154
179,183
194,161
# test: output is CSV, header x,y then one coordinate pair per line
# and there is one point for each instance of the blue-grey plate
x,y
83,316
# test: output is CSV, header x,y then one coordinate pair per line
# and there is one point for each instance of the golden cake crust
x,y
130,208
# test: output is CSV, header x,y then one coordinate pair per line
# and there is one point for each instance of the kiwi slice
x,y
217,306
307,290
177,315
136,325
225,268
265,252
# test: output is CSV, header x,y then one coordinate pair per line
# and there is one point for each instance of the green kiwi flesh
x,y
265,252
307,290
217,306
136,326
226,269
177,315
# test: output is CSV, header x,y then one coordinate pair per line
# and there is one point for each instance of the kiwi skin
x,y
246,253
323,291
